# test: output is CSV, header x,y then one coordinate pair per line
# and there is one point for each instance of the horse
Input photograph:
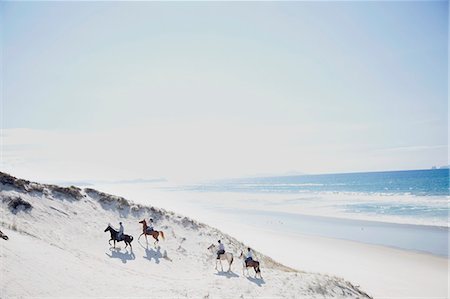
x,y
153,233
126,238
252,263
225,256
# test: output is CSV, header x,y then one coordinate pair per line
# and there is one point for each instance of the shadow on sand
x,y
151,253
258,281
124,256
227,274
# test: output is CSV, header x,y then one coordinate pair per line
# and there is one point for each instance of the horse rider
x,y
120,233
150,226
249,256
221,249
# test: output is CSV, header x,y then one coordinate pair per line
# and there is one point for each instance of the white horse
x,y
252,264
226,256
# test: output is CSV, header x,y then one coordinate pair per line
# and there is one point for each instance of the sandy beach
x,y
314,132
384,271
58,248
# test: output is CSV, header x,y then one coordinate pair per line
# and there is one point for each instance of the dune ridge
x,y
57,247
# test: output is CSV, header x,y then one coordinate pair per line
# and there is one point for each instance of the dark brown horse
x,y
126,238
154,233
250,264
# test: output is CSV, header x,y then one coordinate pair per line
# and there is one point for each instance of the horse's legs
x,y
259,272
140,236
109,242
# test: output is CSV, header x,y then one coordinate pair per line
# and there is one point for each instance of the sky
x,y
204,90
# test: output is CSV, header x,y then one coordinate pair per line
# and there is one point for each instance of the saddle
x,y
251,263
149,230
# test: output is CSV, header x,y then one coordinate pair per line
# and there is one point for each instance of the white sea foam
x,y
382,207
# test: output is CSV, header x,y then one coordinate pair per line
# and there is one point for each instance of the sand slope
x,y
57,247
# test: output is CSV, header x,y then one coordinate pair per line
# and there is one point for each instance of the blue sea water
x,y
433,182
403,209
413,196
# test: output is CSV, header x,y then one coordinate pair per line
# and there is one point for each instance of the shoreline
x,y
383,272
181,266
421,238
424,239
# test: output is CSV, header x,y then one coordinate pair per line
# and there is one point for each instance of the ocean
x,y
411,197
412,182
402,209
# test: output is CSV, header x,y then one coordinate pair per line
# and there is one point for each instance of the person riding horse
x,y
249,262
249,256
221,255
120,233
221,249
147,229
115,236
150,228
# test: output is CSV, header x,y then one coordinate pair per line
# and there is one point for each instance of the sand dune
x,y
57,247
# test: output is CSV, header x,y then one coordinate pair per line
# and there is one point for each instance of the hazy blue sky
x,y
201,89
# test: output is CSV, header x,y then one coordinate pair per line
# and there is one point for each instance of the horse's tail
x,y
131,239
162,235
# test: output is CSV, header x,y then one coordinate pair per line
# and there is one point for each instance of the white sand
x,y
59,249
383,272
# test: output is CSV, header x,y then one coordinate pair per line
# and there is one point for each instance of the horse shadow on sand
x,y
155,254
116,253
227,274
150,254
258,281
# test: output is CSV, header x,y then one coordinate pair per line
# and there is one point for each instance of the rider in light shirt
x,y
150,225
120,233
249,256
221,249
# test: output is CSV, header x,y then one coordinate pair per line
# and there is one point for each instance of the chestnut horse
x,y
250,264
153,233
